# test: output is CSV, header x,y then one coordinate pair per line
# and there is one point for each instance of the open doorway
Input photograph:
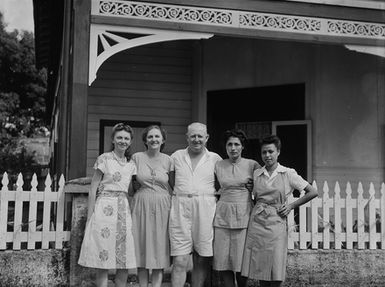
x,y
254,110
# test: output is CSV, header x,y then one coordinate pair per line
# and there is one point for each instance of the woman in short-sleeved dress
x,y
233,208
151,207
108,242
265,252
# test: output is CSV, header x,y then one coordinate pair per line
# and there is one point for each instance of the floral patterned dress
x,y
108,242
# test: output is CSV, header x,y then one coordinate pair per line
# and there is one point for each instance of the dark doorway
x,y
227,109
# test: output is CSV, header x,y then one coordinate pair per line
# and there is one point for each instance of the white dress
x,y
108,242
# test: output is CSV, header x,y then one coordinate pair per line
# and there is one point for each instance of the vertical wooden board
x,y
32,213
17,225
3,212
17,222
314,220
302,224
326,221
372,218
360,217
46,213
291,225
337,216
382,208
349,204
60,214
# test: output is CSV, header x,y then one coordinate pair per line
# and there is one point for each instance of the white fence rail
x,y
339,223
24,229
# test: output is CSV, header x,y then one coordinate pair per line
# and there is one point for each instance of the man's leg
x,y
179,269
201,267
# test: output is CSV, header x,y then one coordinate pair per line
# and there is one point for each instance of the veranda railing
x,y
326,222
21,230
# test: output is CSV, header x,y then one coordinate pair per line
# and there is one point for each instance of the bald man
x,y
193,207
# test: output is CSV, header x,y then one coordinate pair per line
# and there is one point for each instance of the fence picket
x,y
17,220
360,217
372,217
3,211
60,214
314,204
349,217
337,216
46,213
326,222
302,224
291,225
382,210
32,213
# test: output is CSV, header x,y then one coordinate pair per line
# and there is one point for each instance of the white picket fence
x,y
51,228
340,223
326,222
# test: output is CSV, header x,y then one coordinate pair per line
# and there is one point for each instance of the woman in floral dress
x,y
151,207
108,242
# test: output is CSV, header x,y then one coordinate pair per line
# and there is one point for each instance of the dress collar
x,y
263,170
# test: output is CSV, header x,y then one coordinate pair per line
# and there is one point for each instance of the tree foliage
x,y
22,102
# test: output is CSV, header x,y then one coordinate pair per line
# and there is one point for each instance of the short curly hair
x,y
236,133
271,139
162,131
123,127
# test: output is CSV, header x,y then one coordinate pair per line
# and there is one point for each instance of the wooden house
x,y
311,71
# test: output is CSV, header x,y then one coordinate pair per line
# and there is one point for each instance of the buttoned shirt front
x,y
199,181
264,181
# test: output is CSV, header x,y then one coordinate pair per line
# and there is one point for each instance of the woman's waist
x,y
152,191
112,193
235,195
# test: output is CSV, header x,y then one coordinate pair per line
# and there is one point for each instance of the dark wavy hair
x,y
271,139
235,133
162,131
123,127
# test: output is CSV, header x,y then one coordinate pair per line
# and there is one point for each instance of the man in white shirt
x,y
193,207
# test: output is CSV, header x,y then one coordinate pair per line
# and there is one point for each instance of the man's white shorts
x,y
191,224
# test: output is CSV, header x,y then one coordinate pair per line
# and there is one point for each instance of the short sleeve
x,y
295,180
256,165
101,163
134,168
216,167
217,157
171,165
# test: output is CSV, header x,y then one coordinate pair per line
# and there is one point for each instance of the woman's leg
x,y
156,277
121,277
241,280
275,283
228,278
101,277
143,277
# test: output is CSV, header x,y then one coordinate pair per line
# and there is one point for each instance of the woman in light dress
x,y
233,209
151,207
108,242
265,252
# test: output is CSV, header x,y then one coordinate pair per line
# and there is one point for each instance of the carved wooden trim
x,y
238,19
107,40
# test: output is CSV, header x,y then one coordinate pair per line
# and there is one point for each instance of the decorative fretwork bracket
x,y
107,40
